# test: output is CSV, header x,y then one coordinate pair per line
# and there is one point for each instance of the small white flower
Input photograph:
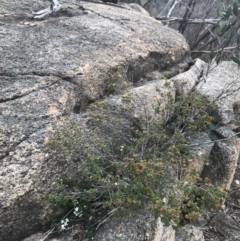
x,y
76,212
164,200
64,223
237,182
121,148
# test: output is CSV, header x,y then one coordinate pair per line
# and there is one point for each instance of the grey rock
x,y
189,233
223,158
222,86
227,226
138,8
138,226
47,68
133,227
186,81
75,232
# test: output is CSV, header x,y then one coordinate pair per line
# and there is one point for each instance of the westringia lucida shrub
x,y
124,163
118,81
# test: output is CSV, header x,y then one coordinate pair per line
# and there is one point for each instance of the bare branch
x,y
173,6
189,10
188,21
218,50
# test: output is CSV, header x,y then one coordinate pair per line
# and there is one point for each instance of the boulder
x,y
189,233
221,84
223,87
48,70
227,226
224,142
140,226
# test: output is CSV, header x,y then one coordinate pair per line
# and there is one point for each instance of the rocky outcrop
x,y
222,86
141,225
227,226
52,70
152,228
189,233
48,70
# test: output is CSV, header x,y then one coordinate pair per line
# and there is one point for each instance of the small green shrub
x,y
126,165
118,81
166,75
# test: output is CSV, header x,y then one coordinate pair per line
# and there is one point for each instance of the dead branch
x,y
188,21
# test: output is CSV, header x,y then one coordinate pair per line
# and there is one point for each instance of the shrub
x,y
127,165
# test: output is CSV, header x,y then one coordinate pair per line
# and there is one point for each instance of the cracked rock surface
x,y
46,69
223,226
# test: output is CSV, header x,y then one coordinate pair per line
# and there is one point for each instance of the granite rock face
x,y
219,169
220,84
51,70
223,87
48,69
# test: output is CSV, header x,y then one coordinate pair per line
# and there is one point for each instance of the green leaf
x,y
219,11
177,104
235,9
222,14
228,12
236,60
222,23
223,30
212,54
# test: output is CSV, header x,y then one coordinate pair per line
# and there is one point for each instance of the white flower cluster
x,y
64,223
164,200
76,212
121,148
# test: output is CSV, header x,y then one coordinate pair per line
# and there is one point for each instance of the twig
x,y
188,21
171,9
58,223
48,234
216,51
101,221
233,205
